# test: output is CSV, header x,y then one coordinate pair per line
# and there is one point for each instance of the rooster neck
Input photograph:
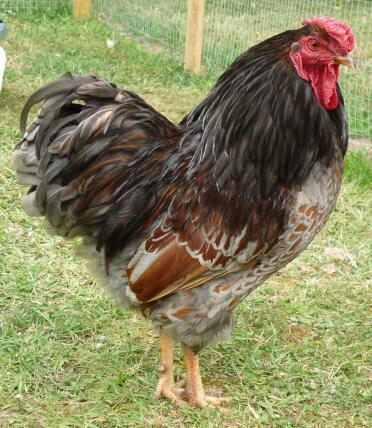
x,y
261,125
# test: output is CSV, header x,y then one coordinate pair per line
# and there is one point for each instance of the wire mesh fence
x,y
231,26
18,6
160,24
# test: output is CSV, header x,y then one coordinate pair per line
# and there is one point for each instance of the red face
x,y
316,51
317,59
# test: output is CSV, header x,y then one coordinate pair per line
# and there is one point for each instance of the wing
x,y
205,234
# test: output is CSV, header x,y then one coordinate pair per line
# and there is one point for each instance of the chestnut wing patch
x,y
159,273
194,244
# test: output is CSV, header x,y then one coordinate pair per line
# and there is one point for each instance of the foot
x,y
167,388
202,400
209,400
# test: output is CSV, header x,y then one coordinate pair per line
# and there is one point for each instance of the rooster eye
x,y
314,45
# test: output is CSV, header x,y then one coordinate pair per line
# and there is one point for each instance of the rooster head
x,y
324,44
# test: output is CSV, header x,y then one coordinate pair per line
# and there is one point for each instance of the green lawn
x,y
70,357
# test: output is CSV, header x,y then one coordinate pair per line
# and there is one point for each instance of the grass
x,y
70,357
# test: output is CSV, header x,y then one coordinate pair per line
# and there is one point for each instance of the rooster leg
x,y
166,386
195,393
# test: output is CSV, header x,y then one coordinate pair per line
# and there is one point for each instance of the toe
x,y
208,400
216,401
168,390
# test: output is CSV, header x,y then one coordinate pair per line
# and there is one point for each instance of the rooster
x,y
184,221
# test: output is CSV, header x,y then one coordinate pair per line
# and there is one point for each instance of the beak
x,y
345,60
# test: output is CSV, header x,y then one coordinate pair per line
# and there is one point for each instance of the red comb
x,y
338,30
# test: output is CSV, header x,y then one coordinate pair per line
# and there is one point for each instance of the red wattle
x,y
323,79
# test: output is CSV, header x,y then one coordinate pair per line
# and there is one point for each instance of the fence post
x,y
194,35
81,8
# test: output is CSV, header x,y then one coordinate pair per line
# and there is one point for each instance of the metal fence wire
x,y
17,6
231,26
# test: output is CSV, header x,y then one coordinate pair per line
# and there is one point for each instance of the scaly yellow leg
x,y
166,386
195,394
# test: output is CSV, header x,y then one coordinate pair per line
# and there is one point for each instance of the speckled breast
x,y
311,209
203,314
